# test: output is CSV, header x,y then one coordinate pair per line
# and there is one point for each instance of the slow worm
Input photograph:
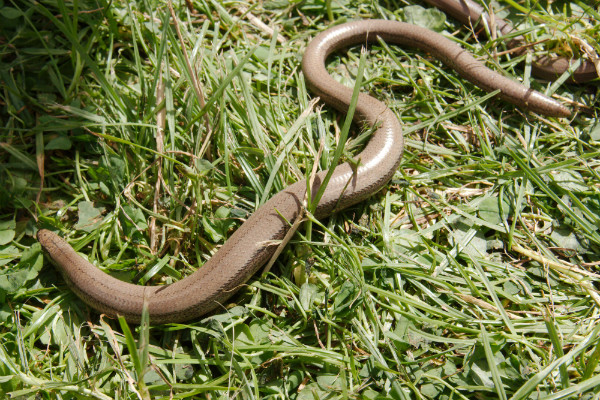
x,y
547,67
252,245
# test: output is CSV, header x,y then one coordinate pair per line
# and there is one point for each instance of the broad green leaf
x,y
90,217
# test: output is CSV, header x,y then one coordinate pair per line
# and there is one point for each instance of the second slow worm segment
x,y
546,67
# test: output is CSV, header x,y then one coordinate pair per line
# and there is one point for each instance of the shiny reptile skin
x,y
252,245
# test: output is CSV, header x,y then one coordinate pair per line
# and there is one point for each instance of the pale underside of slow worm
x,y
252,245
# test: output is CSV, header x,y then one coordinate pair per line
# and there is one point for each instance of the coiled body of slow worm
x,y
256,240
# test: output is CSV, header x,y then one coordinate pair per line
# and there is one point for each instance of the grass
x,y
145,136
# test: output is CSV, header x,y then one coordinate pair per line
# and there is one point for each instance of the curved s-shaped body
x,y
256,240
